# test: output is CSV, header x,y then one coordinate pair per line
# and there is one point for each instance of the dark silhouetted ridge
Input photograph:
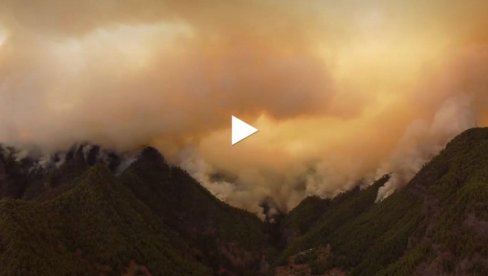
x,y
92,211
437,225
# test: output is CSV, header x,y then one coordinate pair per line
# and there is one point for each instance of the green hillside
x,y
96,227
83,218
438,224
154,218
224,237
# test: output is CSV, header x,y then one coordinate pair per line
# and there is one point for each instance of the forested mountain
x,y
91,211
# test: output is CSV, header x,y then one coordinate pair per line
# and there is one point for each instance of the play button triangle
x,y
241,130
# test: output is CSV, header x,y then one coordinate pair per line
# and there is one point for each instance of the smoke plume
x,y
423,140
341,92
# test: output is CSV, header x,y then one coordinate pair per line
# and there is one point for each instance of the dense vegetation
x,y
438,224
83,218
97,226
151,219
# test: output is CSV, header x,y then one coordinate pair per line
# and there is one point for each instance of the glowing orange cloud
x,y
342,92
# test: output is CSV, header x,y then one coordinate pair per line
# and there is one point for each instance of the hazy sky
x,y
342,91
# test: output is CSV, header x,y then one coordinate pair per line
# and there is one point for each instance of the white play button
x,y
241,130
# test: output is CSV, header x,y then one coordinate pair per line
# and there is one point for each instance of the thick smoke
x,y
423,140
341,92
126,78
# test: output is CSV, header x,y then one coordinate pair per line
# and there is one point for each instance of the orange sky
x,y
342,92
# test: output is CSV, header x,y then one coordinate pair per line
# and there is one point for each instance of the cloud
x,y
339,91
169,78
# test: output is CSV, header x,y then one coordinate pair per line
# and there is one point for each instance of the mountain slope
x,y
438,224
96,227
225,238
89,211
146,194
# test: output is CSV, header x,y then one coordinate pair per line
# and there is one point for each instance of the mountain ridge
x,y
421,229
82,214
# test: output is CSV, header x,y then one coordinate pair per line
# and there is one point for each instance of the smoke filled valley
x,y
342,93
91,211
